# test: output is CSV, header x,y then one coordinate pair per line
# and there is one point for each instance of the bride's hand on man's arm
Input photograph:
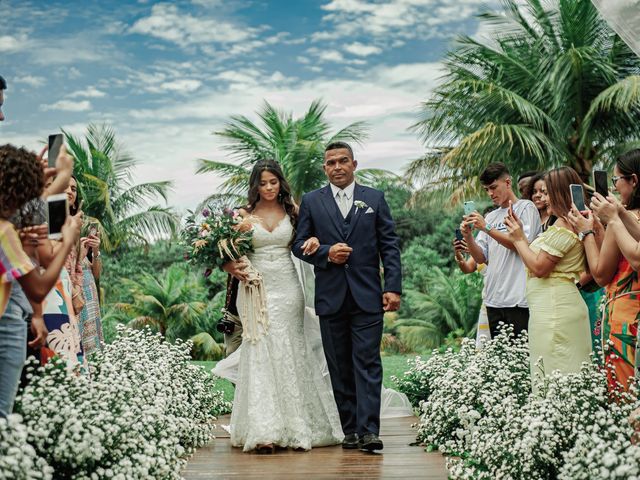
x,y
236,269
310,246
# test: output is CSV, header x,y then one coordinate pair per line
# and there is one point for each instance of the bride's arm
x,y
304,231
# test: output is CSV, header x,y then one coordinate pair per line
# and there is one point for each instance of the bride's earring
x,y
280,197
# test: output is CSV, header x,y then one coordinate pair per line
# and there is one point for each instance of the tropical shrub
x,y
445,302
550,85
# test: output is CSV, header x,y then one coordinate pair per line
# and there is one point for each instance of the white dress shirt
x,y
348,192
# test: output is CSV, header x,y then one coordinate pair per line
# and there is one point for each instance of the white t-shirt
x,y
505,277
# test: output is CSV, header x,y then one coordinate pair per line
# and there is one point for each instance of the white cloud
x,y
184,85
32,81
394,18
362,50
168,23
10,43
330,56
68,106
91,92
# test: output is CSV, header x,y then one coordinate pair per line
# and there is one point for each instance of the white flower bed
x,y
143,409
478,406
18,459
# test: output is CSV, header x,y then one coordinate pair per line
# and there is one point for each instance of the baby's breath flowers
x,y
479,407
141,410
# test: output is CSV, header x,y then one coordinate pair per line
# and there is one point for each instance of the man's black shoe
x,y
370,442
350,441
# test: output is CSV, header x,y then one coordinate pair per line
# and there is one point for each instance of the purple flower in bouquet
x,y
207,272
228,212
206,212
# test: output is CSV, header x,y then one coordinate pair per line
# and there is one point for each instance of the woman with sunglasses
x,y
611,266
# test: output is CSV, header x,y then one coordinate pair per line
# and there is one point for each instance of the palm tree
x,y
110,196
296,143
451,302
167,303
554,86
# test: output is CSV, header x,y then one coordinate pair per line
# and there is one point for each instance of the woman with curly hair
x,y
21,179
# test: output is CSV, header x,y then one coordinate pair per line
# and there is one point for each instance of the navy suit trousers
x,y
351,340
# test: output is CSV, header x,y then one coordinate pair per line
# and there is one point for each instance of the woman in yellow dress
x,y
559,332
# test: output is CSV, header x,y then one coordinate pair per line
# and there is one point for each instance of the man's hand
x,y
390,301
40,332
236,269
476,220
465,228
339,253
310,246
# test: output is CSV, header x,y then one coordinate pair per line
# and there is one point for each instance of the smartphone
x,y
577,197
459,236
469,207
600,181
55,142
57,211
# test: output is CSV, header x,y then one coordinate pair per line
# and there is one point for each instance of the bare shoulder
x,y
243,212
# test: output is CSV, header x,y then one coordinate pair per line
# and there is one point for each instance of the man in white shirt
x,y
505,278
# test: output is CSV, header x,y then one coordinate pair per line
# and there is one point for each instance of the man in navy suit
x,y
356,232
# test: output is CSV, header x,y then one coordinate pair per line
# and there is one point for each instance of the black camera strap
x,y
232,294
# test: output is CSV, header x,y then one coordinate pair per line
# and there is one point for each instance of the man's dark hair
x,y
337,145
493,172
3,83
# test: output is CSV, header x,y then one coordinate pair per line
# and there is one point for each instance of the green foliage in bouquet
x,y
215,238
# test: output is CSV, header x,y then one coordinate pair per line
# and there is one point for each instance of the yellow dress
x,y
559,331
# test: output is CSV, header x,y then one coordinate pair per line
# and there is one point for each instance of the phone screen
x,y
469,207
57,214
600,182
459,235
55,142
577,196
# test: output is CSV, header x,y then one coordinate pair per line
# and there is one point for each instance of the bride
x,y
281,397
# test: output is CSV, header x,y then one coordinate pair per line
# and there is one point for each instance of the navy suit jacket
x,y
371,234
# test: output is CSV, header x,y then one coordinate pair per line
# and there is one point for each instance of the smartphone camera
x,y
577,197
55,144
459,236
57,211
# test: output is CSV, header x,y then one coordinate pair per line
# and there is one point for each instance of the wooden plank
x,y
398,460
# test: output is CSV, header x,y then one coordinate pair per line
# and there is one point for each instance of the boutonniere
x,y
360,204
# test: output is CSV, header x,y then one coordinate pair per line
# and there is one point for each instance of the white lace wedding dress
x,y
281,396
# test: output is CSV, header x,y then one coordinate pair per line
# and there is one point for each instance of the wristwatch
x,y
487,228
583,235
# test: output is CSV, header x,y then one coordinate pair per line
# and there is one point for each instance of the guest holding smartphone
x,y
505,277
559,322
21,180
612,266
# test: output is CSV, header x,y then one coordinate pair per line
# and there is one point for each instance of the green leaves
x,y
554,86
121,207
296,143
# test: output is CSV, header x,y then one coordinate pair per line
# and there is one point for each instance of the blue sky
x,y
166,75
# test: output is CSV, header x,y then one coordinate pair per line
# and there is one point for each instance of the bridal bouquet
x,y
215,238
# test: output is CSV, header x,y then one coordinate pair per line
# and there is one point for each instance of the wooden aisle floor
x,y
399,459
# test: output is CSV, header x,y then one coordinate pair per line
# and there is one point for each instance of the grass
x,y
391,365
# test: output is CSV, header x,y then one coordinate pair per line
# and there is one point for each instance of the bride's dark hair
x,y
284,195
